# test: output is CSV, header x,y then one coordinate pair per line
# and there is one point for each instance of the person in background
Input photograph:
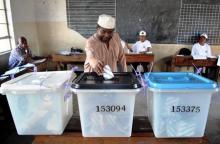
x,y
22,54
104,48
126,47
141,46
201,48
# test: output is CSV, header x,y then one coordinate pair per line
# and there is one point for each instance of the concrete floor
x,y
212,128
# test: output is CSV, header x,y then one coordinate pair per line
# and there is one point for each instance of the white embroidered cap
x,y
142,33
204,35
106,21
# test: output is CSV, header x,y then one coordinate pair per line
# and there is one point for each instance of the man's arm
x,y
149,47
134,47
122,60
193,53
128,47
16,58
96,65
209,53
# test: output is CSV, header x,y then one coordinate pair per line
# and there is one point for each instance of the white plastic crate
x,y
178,104
40,102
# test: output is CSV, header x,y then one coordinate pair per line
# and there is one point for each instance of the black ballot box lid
x,y
122,80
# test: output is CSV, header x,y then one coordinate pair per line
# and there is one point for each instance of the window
x,y
5,39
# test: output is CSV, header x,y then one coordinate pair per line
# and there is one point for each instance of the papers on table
x,y
64,52
199,57
212,56
18,69
3,77
146,52
142,52
39,61
203,57
14,71
28,65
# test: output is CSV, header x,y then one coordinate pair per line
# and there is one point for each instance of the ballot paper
x,y
107,74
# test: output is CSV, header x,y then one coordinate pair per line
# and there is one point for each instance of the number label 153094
x,y
112,108
195,109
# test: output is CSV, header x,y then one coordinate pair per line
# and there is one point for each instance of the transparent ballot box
x,y
106,106
40,102
178,103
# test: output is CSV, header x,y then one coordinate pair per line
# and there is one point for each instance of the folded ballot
x,y
107,74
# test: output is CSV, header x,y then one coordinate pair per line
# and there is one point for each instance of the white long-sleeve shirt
x,y
141,46
199,50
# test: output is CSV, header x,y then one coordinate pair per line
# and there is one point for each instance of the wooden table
x,y
80,58
137,138
42,66
210,63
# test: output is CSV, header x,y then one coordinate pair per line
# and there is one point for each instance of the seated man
x,y
201,48
21,54
141,46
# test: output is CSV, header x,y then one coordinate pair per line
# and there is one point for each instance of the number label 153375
x,y
195,109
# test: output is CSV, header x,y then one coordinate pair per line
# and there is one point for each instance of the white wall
x,y
44,23
24,21
53,33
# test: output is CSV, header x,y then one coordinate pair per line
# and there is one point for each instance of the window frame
x,y
8,29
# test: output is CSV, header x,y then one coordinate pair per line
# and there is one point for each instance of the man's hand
x,y
27,56
97,66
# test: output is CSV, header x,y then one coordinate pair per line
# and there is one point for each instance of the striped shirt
x,y
113,56
17,57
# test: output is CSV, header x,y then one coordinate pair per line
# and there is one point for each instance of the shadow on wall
x,y
4,62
